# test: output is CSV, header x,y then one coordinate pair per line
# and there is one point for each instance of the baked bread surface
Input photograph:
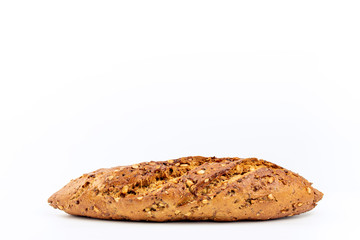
x,y
190,188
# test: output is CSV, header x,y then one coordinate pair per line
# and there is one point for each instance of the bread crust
x,y
190,188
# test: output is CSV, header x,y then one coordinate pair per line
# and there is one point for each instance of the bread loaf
x,y
189,188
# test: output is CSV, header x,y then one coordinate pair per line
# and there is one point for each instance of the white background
x,y
92,84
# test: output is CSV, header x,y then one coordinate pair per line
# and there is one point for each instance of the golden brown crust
x,y
189,188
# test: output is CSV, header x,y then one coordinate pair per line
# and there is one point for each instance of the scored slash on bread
x,y
189,188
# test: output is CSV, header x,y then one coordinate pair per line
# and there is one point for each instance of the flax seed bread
x,y
189,188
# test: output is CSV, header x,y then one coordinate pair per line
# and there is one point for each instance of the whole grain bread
x,y
189,188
